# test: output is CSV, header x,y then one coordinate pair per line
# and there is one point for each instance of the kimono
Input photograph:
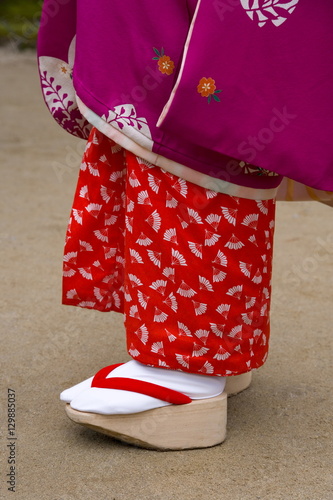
x,y
200,87
193,114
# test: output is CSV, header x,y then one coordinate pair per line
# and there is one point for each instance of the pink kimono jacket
x,y
207,89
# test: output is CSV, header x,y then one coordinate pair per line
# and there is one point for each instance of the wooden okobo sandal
x,y
238,383
185,424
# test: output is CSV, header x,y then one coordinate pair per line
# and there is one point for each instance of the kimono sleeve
x,y
56,58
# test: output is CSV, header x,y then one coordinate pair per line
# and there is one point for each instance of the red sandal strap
x,y
104,372
101,381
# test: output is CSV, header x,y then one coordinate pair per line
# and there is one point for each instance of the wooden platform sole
x,y
199,424
238,383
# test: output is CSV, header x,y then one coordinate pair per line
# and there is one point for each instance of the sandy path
x,y
278,444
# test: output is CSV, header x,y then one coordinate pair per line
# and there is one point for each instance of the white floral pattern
x,y
262,11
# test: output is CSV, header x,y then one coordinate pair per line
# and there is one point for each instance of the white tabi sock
x,y
83,397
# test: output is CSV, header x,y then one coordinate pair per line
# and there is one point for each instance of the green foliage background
x,y
19,21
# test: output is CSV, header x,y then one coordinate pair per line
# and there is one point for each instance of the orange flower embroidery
x,y
165,64
207,88
65,69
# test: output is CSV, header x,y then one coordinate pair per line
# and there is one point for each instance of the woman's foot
x,y
82,397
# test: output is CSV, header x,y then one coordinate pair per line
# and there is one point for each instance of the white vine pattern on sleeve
x,y
59,93
124,117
